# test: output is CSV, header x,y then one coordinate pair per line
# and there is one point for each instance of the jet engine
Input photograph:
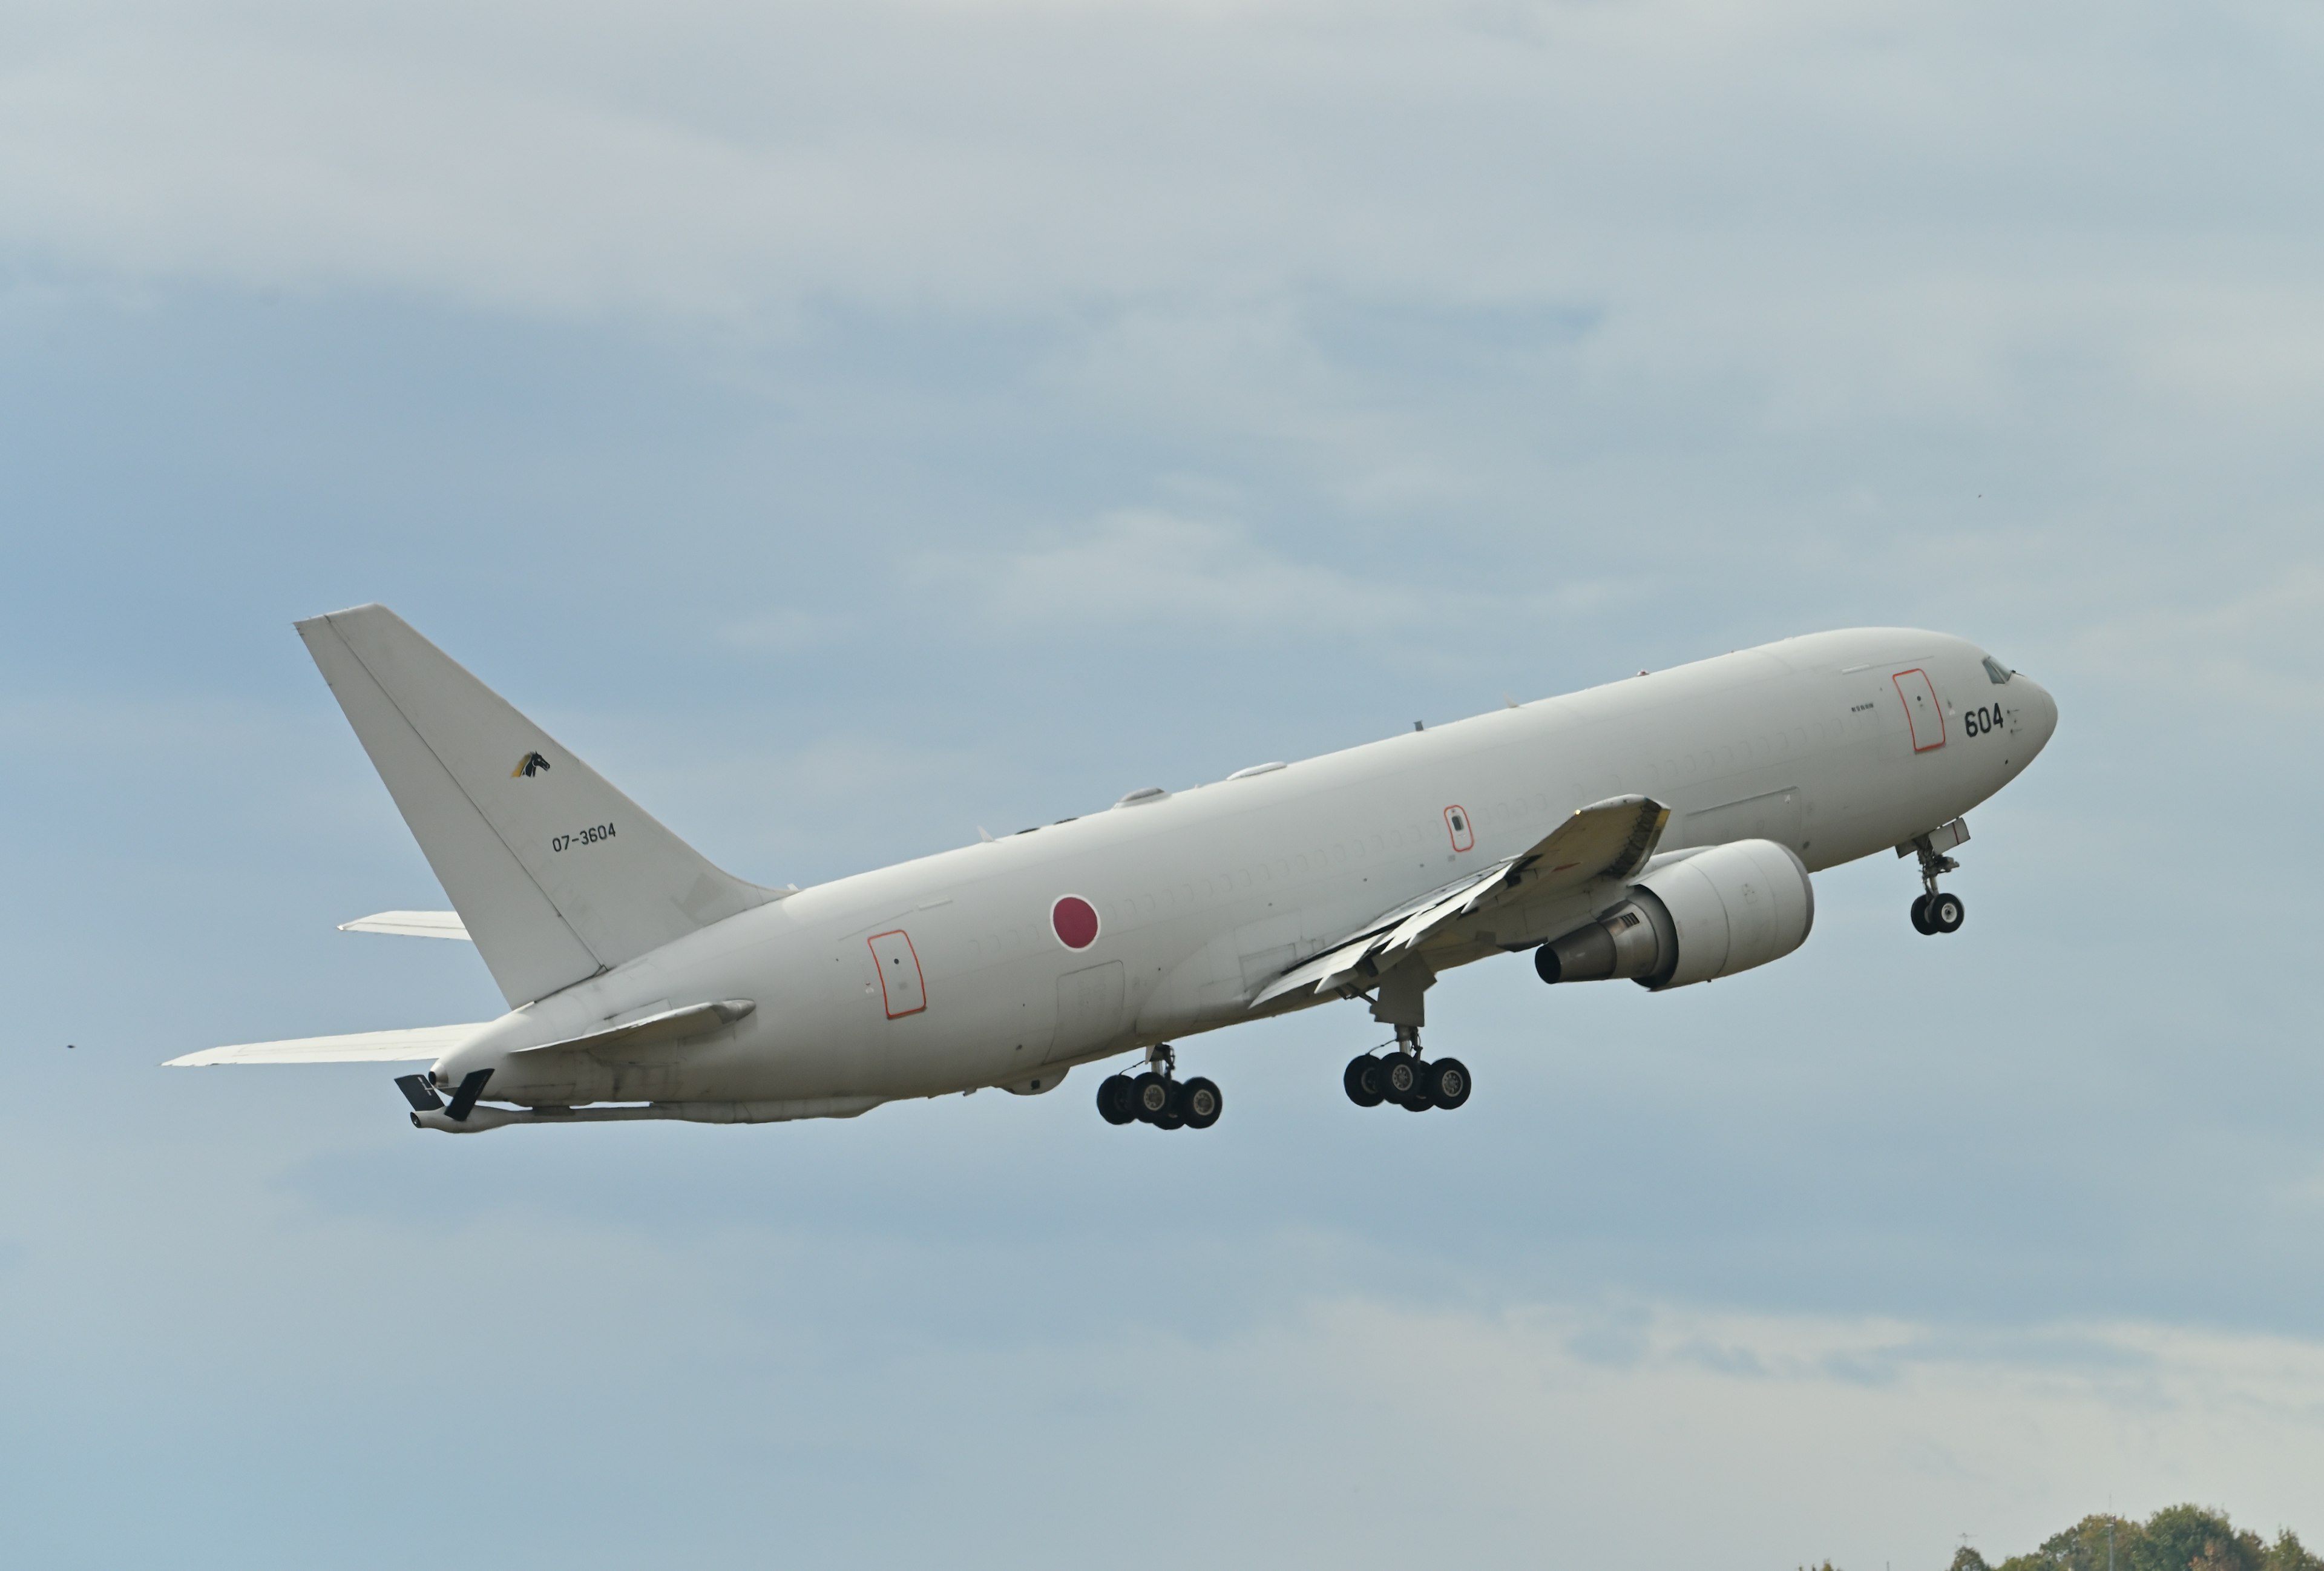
x,y
1714,913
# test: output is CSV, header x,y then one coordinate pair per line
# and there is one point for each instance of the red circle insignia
x,y
1076,920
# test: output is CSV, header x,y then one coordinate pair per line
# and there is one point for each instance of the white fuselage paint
x,y
1206,894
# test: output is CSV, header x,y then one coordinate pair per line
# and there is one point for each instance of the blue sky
x,y
850,426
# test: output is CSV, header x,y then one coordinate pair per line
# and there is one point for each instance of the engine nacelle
x,y
1711,914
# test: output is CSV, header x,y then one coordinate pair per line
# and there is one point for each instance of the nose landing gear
x,y
1405,1078
1939,912
1158,1097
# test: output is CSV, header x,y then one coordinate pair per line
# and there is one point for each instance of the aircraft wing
x,y
428,1043
411,924
1607,839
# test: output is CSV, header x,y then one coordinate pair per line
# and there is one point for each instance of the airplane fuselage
x,y
957,971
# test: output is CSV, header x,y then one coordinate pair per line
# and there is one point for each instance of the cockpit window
x,y
1999,673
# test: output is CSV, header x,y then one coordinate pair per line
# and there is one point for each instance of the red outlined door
x,y
1921,708
1457,823
901,988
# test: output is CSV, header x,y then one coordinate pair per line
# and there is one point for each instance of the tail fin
x,y
556,874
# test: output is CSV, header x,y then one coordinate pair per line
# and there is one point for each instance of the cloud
x,y
1862,1439
1853,213
1323,366
1144,573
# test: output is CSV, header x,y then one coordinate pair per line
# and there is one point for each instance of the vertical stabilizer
x,y
556,874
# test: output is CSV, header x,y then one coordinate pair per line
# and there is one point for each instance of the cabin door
x,y
902,990
1926,717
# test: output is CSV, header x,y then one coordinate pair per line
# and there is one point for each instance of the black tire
x,y
1545,964
1149,1097
1946,913
1200,1097
1921,914
1361,1081
1173,1116
1399,1076
1416,1103
1114,1103
1449,1084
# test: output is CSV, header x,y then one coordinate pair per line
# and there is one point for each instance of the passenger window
x,y
1999,673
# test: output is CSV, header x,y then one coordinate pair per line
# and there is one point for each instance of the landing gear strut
x,y
1402,1075
1158,1097
1405,1078
1936,911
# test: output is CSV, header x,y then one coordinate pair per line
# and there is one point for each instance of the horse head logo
x,y
532,763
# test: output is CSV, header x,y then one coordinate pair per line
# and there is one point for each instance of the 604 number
x,y
1984,718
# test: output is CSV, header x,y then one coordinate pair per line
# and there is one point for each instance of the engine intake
x,y
1711,914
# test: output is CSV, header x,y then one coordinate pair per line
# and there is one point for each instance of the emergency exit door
x,y
1922,709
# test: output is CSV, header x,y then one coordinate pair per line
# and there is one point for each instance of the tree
x,y
2082,1547
2187,1538
2180,1537
2288,1553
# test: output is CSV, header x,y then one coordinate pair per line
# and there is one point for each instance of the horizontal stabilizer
x,y
669,1027
421,1043
411,924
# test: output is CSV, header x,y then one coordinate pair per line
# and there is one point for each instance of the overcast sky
x,y
847,426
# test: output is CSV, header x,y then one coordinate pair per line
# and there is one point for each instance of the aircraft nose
x,y
2040,711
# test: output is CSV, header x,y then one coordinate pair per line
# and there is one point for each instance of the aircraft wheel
x,y
1149,1097
1945,913
1448,1083
1362,1081
1399,1076
1202,1104
1113,1100
1173,1115
1921,914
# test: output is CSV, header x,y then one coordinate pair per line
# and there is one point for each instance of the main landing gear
x,y
1405,1078
1937,911
1158,1097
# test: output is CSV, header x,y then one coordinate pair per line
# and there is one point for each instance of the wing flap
x,y
421,1043
1322,974
1464,898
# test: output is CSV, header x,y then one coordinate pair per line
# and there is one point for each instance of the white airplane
x,y
1660,828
